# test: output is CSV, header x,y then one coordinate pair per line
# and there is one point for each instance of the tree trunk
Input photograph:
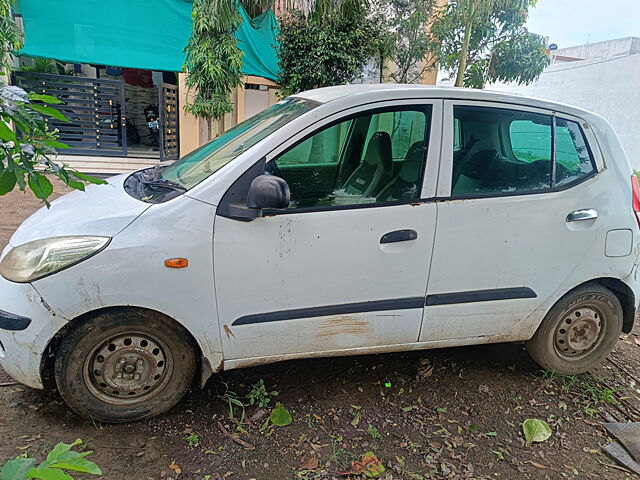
x,y
464,53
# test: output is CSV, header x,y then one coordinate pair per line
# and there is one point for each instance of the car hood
x,y
103,210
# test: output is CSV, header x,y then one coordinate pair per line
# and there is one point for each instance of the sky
x,y
574,22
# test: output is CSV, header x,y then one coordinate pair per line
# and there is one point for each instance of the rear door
x,y
510,232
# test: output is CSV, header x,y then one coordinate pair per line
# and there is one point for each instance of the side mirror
x,y
268,191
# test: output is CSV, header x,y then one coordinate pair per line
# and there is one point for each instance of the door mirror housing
x,y
268,191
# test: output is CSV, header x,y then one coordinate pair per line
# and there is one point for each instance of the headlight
x,y
34,260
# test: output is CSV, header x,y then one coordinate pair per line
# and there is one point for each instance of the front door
x,y
345,267
507,238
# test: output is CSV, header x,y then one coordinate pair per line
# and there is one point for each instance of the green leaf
x,y
7,182
60,449
76,185
88,178
76,463
48,111
55,144
535,430
39,97
280,416
42,189
17,469
6,133
48,474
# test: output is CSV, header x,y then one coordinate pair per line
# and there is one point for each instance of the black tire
x,y
579,331
125,365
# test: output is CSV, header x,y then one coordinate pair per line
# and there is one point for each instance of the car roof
x,y
382,91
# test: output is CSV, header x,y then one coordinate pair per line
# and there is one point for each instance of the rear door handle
x,y
399,236
580,215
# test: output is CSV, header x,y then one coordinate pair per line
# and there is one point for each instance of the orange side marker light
x,y
176,263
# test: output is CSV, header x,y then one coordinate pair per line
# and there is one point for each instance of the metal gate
x,y
169,134
94,107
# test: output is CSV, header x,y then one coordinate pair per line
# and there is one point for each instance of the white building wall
x,y
607,86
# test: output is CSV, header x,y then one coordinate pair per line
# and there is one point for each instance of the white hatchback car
x,y
345,220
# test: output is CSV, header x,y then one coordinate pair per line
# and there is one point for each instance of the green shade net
x,y
256,38
147,34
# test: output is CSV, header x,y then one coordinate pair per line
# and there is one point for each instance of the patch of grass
x,y
373,431
193,440
593,391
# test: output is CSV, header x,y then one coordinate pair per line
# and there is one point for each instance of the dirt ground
x,y
449,413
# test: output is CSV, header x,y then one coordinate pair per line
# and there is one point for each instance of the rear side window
x,y
500,151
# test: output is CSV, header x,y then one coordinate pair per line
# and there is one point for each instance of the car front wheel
x,y
578,332
124,366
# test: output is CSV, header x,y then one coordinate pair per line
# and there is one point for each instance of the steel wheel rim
x,y
579,332
127,368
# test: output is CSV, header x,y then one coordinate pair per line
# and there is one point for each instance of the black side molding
x,y
480,296
9,321
343,309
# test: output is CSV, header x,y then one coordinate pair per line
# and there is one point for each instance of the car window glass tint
x,y
573,159
501,151
370,158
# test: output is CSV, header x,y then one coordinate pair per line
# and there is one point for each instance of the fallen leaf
x,y
369,465
537,465
176,468
535,430
310,463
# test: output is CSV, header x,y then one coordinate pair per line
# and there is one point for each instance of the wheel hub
x,y
578,332
126,366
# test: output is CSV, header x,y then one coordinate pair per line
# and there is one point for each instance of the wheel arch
x,y
623,293
49,355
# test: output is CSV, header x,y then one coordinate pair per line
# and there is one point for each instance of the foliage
x,y
61,458
214,61
193,440
328,46
407,42
25,154
10,35
259,395
486,40
280,416
234,402
47,65
373,431
535,430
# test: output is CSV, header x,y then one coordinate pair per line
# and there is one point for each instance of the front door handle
x,y
580,215
399,236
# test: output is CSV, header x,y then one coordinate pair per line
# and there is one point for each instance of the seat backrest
x,y
404,185
375,170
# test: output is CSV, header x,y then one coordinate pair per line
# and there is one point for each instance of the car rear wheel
x,y
578,332
124,366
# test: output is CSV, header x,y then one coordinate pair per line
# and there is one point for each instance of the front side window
x,y
502,151
369,158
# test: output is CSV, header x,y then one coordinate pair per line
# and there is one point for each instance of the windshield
x,y
211,157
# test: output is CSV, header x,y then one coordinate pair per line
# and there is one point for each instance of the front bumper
x,y
27,325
